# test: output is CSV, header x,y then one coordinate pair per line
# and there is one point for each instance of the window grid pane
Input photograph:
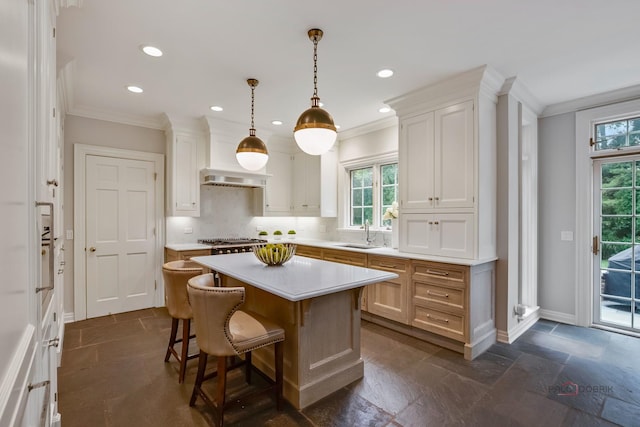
x,y
361,196
617,134
388,190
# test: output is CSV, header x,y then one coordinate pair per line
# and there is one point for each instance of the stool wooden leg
x,y
221,389
172,338
279,362
247,367
186,331
202,365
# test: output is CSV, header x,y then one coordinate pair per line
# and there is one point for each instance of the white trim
x,y
80,152
585,121
69,317
14,385
556,316
116,117
598,100
368,128
529,319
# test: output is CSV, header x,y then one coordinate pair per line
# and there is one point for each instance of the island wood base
x,y
322,341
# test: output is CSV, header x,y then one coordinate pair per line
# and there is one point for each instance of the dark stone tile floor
x,y
113,375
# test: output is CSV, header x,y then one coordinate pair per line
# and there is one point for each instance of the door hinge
x,y
591,142
595,248
54,112
55,316
155,176
154,231
55,397
155,285
54,32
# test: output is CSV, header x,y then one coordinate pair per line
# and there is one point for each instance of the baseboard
x,y
557,316
69,317
523,326
13,388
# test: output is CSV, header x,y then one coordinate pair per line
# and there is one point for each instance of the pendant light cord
x,y
252,131
315,67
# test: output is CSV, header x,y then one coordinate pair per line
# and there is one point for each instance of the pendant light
x,y
315,132
252,152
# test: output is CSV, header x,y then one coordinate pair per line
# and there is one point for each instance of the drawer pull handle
x,y
387,265
438,294
438,273
437,319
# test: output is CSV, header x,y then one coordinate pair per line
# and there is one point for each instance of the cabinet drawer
x,y
309,251
396,265
345,257
448,274
439,322
424,292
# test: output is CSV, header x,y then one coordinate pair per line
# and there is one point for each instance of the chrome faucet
x,y
366,232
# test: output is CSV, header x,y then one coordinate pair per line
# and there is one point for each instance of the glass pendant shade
x,y
315,133
252,153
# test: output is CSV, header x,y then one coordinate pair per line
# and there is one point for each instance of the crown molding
x,y
110,116
599,100
514,87
368,128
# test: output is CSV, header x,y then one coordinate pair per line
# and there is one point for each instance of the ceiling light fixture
x,y
152,51
386,73
134,89
252,152
276,122
315,132
384,109
216,108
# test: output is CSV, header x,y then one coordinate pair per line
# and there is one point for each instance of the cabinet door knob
x,y
437,198
431,199
92,249
430,222
436,223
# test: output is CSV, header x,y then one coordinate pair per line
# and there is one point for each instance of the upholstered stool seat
x,y
224,331
175,275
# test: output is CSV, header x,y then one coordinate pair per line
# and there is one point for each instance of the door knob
x,y
92,249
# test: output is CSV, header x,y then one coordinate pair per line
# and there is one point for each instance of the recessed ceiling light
x,y
384,109
337,126
152,51
321,104
383,74
134,89
216,108
276,122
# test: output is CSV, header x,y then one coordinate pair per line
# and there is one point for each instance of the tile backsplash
x,y
229,212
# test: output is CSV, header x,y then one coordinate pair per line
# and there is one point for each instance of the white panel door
x,y
120,235
416,160
454,160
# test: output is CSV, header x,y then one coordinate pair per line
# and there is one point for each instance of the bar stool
x,y
175,275
224,331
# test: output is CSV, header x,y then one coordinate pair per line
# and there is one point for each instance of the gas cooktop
x,y
231,241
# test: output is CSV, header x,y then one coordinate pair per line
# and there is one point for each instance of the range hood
x,y
229,178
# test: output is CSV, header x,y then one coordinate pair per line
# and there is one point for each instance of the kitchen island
x,y
317,303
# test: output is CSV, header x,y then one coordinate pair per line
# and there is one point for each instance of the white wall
x,y
556,213
100,133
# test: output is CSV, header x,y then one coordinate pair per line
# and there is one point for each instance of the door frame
x,y
584,126
80,152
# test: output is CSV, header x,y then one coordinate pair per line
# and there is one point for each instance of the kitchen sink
x,y
357,246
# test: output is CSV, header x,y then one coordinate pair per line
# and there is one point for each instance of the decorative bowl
x,y
274,253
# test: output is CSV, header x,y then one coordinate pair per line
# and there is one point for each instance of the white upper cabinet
x,y
278,190
306,184
183,186
436,153
447,166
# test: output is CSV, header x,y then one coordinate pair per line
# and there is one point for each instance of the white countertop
x,y
375,250
187,246
298,279
382,250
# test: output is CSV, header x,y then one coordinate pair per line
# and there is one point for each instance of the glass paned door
x,y
617,224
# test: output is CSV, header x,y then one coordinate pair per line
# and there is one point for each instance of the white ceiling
x,y
559,49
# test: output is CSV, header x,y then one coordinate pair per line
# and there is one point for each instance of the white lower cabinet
x,y
449,235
